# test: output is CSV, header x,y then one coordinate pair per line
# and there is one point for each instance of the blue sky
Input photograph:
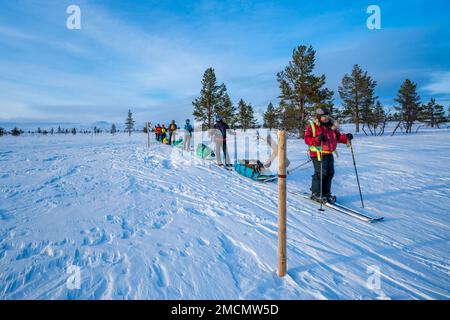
x,y
150,55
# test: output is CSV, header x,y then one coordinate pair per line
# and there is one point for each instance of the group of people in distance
x,y
166,135
161,132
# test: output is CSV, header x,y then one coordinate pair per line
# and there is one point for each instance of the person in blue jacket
x,y
188,129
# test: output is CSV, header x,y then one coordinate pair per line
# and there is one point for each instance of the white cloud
x,y
440,83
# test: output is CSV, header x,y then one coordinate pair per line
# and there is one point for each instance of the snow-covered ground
x,y
158,224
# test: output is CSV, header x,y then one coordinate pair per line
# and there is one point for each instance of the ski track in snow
x,y
157,224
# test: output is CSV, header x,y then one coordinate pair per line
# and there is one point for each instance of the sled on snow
x,y
205,152
253,169
177,142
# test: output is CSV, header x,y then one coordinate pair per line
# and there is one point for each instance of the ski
x,y
224,167
341,208
358,212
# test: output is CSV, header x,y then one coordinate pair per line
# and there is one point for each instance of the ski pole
x,y
356,172
321,176
299,166
257,144
235,147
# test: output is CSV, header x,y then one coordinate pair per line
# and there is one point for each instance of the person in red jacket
x,y
322,138
158,132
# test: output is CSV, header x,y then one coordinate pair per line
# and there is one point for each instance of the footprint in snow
x,y
95,237
203,242
162,277
167,164
161,224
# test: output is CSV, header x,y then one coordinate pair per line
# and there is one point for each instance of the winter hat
x,y
218,118
321,112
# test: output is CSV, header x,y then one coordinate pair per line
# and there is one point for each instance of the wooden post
x,y
281,203
148,134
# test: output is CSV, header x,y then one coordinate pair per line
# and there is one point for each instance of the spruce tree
x,y
226,109
246,118
129,123
357,94
301,90
211,97
2,132
113,129
408,105
271,117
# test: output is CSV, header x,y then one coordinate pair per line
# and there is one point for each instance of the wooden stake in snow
x,y
282,203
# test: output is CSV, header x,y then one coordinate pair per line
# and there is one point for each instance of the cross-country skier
x,y
322,138
158,132
172,128
188,129
220,139
163,134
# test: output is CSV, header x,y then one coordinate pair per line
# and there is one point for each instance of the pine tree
x,y
226,109
74,131
251,120
113,129
129,124
16,132
271,117
357,94
2,132
376,122
301,90
409,105
432,113
246,118
211,97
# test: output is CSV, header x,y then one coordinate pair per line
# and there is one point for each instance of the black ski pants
x,y
327,163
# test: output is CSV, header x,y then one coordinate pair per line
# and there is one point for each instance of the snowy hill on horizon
x,y
159,223
48,125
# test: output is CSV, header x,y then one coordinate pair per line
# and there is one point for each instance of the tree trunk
x,y
398,125
301,129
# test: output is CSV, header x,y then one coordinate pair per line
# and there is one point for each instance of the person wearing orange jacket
x,y
322,137
158,132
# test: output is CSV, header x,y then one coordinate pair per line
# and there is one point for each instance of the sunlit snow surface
x,y
158,224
